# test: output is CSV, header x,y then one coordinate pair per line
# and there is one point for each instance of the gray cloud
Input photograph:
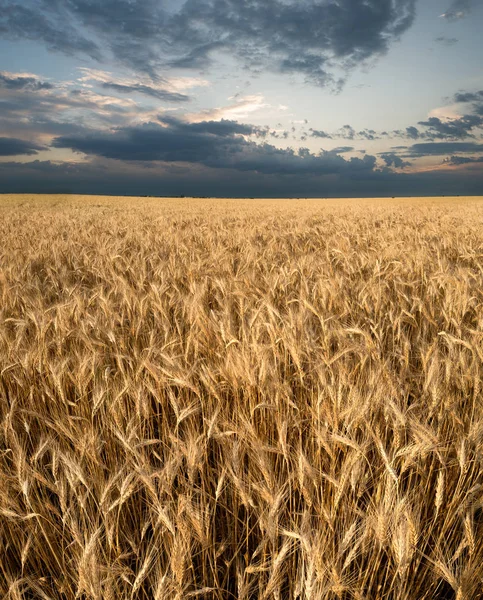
x,y
462,160
368,134
47,21
159,87
317,133
28,110
138,88
347,132
219,145
469,96
412,133
475,98
393,160
294,36
102,176
431,129
442,148
11,81
446,41
455,129
438,129
290,36
434,128
342,149
16,147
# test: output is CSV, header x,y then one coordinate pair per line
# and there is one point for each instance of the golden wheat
x,y
241,399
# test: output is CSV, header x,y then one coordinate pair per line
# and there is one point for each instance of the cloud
x,y
452,129
23,81
393,160
56,110
138,88
442,127
16,147
347,132
475,98
167,90
447,123
412,132
317,133
30,109
342,149
103,176
441,148
469,96
462,160
457,10
47,21
446,41
439,126
289,36
368,134
241,109
220,145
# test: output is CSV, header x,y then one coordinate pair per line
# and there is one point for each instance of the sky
x,y
237,98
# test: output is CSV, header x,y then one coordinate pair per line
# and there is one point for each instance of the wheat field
x,y
243,399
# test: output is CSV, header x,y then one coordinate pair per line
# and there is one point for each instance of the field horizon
x,y
49,198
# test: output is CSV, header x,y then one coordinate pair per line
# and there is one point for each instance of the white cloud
x,y
21,75
171,84
446,113
241,109
458,10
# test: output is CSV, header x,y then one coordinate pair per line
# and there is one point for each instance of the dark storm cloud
x,y
393,160
102,176
11,81
441,148
457,10
469,96
475,98
223,128
462,160
412,133
47,21
16,147
311,66
220,145
294,36
454,129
